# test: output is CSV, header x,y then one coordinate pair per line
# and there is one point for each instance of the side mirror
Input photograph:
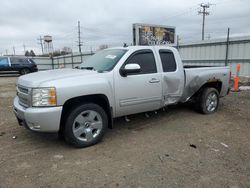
x,y
130,69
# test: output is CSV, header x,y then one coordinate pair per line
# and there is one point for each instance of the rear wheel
x,y
208,101
85,125
24,71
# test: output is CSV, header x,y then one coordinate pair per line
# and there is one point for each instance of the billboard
x,y
146,34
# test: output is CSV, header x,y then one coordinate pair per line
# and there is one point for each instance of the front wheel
x,y
208,101
85,125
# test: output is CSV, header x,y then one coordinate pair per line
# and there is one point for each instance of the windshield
x,y
104,60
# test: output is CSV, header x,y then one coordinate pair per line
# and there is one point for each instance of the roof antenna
x,y
125,45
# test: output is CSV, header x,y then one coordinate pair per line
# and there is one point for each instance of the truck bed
x,y
196,76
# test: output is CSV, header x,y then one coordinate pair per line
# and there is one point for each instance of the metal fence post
x,y
58,65
81,56
64,63
178,45
52,61
72,60
227,47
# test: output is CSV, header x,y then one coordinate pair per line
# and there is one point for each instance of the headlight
x,y
44,97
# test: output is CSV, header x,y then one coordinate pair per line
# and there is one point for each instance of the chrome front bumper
x,y
44,119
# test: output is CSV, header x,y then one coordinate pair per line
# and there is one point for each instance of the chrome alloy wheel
x,y
211,102
87,125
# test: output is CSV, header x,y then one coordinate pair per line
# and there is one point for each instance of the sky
x,y
110,21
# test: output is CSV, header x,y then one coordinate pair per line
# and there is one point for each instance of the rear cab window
x,y
168,61
146,60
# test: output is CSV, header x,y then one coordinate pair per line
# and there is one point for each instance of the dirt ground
x,y
146,152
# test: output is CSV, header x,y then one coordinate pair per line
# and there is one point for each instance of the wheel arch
x,y
217,84
214,84
22,68
100,99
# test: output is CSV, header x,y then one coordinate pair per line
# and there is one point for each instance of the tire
x,y
24,71
208,101
85,125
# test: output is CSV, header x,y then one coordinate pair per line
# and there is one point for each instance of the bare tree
x,y
27,53
32,53
103,46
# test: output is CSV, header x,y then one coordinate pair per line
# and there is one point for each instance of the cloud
x,y
110,21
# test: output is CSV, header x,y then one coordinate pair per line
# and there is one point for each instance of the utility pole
x,y
227,46
79,38
178,42
14,50
40,41
24,48
204,13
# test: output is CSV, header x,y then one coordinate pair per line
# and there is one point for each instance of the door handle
x,y
154,80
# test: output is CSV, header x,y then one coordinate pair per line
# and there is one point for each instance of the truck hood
x,y
36,79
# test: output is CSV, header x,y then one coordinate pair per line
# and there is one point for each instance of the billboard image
x,y
153,34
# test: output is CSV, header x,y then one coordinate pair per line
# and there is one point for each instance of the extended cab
x,y
81,103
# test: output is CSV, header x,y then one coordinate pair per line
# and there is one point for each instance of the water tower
x,y
48,45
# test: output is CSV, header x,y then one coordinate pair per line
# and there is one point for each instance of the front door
x,y
138,92
4,64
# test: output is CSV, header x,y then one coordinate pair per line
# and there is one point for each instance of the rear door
x,y
4,64
18,63
138,92
172,76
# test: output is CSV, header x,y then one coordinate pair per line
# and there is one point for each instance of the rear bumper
x,y
35,69
38,119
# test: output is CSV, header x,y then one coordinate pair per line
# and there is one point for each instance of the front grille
x,y
23,101
23,89
24,96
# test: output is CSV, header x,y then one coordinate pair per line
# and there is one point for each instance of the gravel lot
x,y
146,152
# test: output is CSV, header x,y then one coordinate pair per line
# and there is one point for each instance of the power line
x,y
232,20
190,9
204,13
185,11
67,35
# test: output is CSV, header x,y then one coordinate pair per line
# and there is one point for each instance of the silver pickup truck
x,y
80,103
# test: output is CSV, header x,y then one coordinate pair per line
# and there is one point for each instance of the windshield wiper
x,y
88,68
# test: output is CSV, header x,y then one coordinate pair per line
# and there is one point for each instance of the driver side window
x,y
146,60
